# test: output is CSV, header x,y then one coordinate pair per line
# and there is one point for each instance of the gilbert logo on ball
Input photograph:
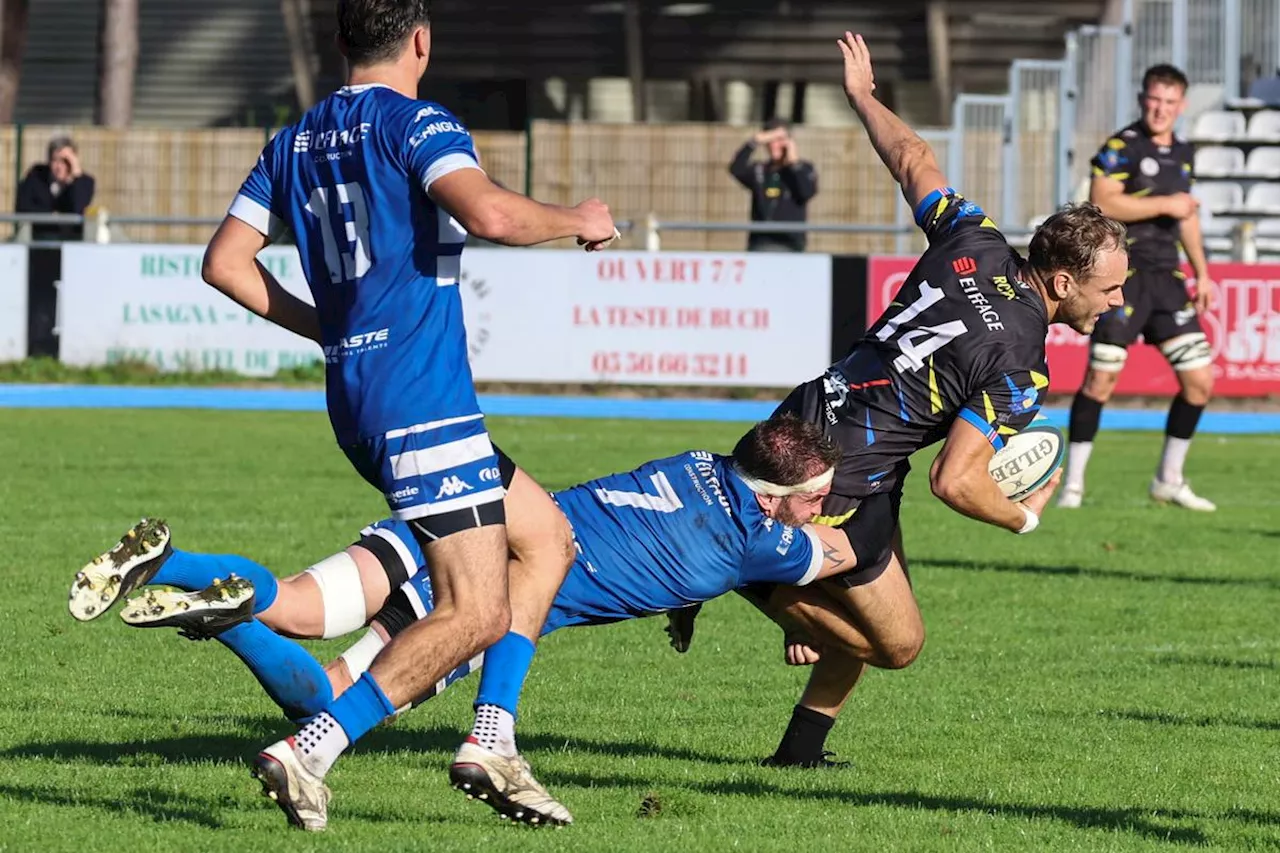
x,y
1027,460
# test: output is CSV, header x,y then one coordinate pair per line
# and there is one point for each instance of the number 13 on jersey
x,y
343,206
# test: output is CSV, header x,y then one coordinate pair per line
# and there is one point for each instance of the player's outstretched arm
x,y
908,157
500,216
960,478
231,265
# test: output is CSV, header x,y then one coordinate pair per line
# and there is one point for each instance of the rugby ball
x,y
1027,460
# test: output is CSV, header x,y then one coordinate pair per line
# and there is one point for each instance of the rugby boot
x,y
506,785
680,626
822,761
197,615
133,561
1180,494
301,795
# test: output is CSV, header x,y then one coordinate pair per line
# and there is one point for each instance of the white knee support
x,y
1107,358
360,656
342,593
1188,352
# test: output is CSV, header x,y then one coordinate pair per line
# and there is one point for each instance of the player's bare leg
x,y
1086,415
469,579
1196,389
488,765
847,628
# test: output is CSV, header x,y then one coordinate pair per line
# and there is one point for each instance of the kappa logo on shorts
x,y
964,266
452,487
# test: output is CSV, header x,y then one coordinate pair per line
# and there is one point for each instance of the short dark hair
x,y
1170,75
58,143
778,122
1070,240
373,31
785,450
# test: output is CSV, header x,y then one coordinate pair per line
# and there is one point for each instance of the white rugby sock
x,y
1077,460
1175,454
319,743
495,730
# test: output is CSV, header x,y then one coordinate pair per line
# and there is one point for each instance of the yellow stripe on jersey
x,y
1039,380
991,410
1115,144
834,520
1119,176
1142,192
987,223
942,206
1006,430
935,399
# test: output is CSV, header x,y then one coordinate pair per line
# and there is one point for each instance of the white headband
x,y
764,487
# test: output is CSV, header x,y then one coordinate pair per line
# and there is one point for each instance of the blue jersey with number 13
x,y
350,181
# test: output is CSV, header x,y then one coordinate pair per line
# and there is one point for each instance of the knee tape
x,y
342,593
360,656
1188,352
1107,358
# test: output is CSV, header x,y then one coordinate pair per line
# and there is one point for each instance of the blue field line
x,y
513,405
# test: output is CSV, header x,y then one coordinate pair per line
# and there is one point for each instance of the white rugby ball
x,y
1027,460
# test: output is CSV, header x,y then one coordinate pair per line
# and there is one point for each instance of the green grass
x,y
1108,683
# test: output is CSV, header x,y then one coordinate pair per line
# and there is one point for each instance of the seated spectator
x,y
58,186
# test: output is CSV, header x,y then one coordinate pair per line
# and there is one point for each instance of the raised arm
x,y
908,157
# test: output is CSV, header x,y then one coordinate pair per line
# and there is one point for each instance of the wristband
x,y
1032,522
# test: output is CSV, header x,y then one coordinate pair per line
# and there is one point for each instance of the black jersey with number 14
x,y
963,339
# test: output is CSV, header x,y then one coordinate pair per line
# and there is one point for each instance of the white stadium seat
x,y
1265,126
1219,126
1219,162
1263,163
1219,196
1264,197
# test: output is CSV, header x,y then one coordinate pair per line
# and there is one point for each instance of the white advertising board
x,y
13,303
532,315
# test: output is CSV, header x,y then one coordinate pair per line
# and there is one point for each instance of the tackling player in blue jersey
x,y
671,533
380,190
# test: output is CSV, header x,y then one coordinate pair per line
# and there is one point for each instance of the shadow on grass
x,y
238,748
163,806
1166,718
1206,660
1149,823
1090,572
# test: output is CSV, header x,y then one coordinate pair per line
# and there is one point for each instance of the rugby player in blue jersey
x,y
380,190
671,533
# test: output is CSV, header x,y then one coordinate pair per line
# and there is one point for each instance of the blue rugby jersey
x,y
349,179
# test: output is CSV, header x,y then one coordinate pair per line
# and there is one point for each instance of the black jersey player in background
x,y
958,357
1142,175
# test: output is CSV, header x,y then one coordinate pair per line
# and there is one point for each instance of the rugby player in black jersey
x,y
1142,175
958,357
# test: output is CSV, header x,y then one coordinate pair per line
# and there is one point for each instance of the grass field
x,y
1109,683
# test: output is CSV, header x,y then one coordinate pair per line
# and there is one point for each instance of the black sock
x,y
805,736
1086,416
1183,419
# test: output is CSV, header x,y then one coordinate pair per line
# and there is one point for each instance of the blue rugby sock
x,y
192,572
291,676
361,707
506,663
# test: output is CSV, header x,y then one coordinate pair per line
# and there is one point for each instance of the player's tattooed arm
x,y
837,553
